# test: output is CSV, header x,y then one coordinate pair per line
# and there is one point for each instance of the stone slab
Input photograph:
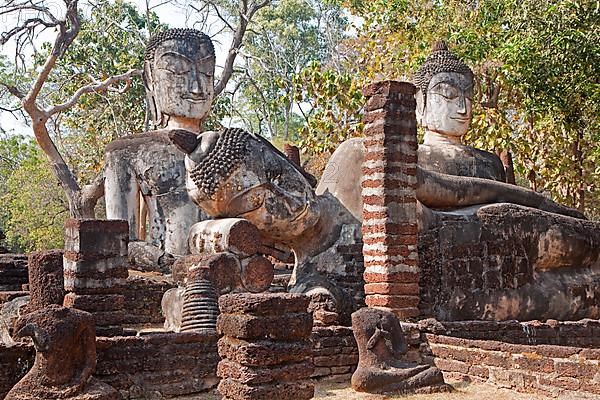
x,y
263,303
232,389
263,353
258,375
293,326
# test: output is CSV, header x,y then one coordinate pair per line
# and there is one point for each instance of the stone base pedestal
x,y
265,351
95,270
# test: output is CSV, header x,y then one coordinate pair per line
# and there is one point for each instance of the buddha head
x,y
235,174
445,93
179,72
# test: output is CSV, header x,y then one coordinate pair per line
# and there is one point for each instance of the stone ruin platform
x,y
549,359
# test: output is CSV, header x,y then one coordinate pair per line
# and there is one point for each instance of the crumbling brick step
x,y
263,353
291,326
259,375
234,390
263,303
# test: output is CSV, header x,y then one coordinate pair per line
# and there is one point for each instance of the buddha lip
x,y
460,119
194,98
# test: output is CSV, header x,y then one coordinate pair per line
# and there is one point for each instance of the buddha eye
x,y
174,64
176,68
447,91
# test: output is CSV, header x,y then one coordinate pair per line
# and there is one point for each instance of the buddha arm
x,y
436,190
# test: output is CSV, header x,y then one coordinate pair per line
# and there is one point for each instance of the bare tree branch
x,y
95,87
13,90
245,15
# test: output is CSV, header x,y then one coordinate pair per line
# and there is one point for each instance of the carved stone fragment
x,y
65,343
381,345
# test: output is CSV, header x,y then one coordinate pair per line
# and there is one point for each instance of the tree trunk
x,y
507,162
579,197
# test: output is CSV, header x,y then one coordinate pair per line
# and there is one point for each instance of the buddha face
x,y
236,174
448,107
182,78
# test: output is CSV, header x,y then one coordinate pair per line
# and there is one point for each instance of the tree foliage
x,y
333,104
536,69
111,41
285,38
32,204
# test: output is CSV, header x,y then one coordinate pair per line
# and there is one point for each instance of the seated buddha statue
x,y
487,249
146,169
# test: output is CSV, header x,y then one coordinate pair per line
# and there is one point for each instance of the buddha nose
x,y
462,104
195,86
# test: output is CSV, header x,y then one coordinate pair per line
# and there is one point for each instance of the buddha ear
x,y
148,80
420,110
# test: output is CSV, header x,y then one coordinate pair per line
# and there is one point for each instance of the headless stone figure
x,y
179,79
381,346
65,344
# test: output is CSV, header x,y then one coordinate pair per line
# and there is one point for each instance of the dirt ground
x,y
462,391
341,391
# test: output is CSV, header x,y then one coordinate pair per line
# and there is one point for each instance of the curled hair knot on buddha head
x,y
178,34
440,60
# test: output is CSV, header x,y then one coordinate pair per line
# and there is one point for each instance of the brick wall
x,y
160,365
584,333
15,361
143,296
389,200
165,364
471,265
335,353
544,369
13,271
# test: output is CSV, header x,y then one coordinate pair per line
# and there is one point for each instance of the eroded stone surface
x,y
263,303
381,345
46,284
263,352
287,326
65,344
285,391
258,375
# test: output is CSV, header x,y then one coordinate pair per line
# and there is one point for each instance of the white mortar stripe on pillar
x,y
390,134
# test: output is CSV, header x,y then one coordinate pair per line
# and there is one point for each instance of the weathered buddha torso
x,y
460,160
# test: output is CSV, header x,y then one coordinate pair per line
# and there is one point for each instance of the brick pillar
x,y
265,349
389,196
46,284
95,270
292,152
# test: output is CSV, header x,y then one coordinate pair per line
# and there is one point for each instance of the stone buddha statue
x,y
65,359
462,201
235,174
487,249
444,109
146,171
381,350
